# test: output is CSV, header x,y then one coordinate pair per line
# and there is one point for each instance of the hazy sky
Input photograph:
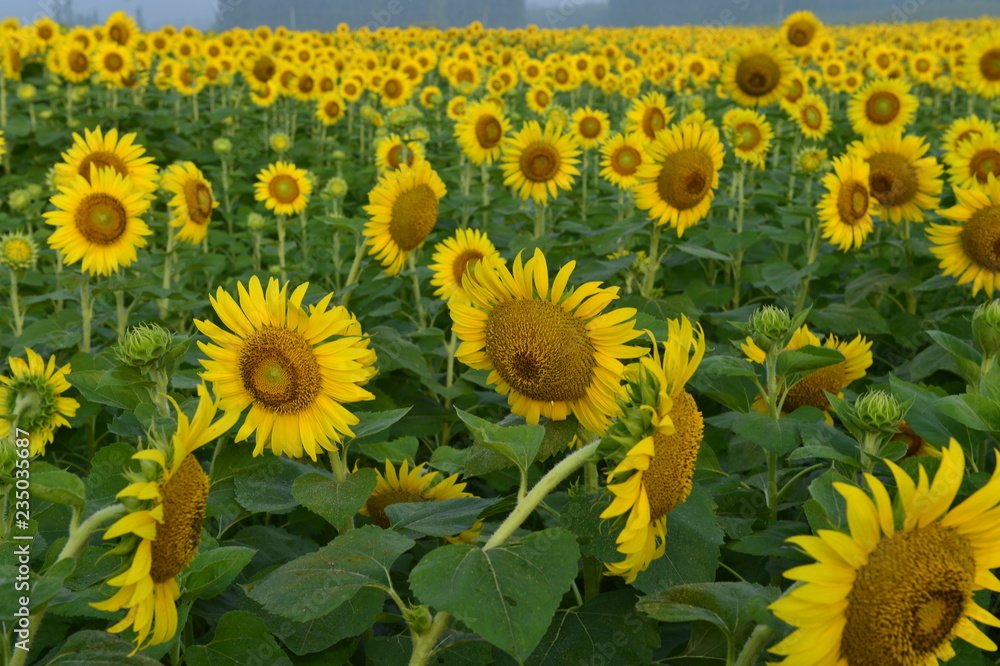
x,y
199,13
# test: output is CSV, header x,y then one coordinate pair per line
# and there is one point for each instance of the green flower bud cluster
x,y
222,146
986,328
879,411
336,188
769,326
143,346
256,222
18,251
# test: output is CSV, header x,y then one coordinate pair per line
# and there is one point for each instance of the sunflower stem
x,y
545,485
421,317
86,312
758,639
305,234
591,567
15,305
539,220
281,247
121,316
653,262
585,171
738,262
352,276
339,466
484,175
227,201
423,643
168,259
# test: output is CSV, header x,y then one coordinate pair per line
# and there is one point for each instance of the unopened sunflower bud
x,y
418,618
280,142
35,191
986,328
768,327
142,346
337,187
222,146
18,251
879,411
256,222
26,92
19,199
339,156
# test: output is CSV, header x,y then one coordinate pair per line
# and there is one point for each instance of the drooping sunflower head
x,y
283,188
166,503
756,75
751,135
677,185
882,104
660,467
971,250
193,203
890,593
621,157
409,486
902,180
649,115
453,256
549,351
481,132
538,163
845,210
975,160
279,361
95,151
799,31
590,127
31,399
402,212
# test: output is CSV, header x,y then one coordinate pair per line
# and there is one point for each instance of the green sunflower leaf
x,y
728,606
807,359
437,519
58,486
241,638
86,648
517,443
212,571
335,502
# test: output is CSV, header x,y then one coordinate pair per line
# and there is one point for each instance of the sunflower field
x,y
421,346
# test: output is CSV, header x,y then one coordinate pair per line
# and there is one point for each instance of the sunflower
x,y
539,98
112,62
166,508
901,179
538,163
283,188
812,116
756,74
430,97
98,221
812,390
799,32
915,444
590,127
31,399
455,108
276,362
882,104
975,160
330,108
550,353
678,184
925,67
391,152
982,65
845,208
192,205
662,464
963,129
406,487
898,595
751,135
621,157
481,132
649,115
402,210
971,250
395,90
453,256
122,28
96,149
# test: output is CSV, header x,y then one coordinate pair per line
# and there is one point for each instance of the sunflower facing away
x,y
538,163
98,221
661,465
453,256
677,185
283,188
977,158
756,75
96,149
402,211
192,205
166,508
32,398
481,132
751,135
649,115
551,353
971,250
901,179
408,486
845,209
882,104
621,157
888,594
278,360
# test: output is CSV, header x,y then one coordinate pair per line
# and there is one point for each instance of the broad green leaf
x,y
975,411
335,502
351,619
770,541
311,586
116,386
507,594
848,320
51,484
449,459
517,443
831,502
212,571
966,357
776,435
87,648
265,484
582,516
241,638
373,423
806,359
558,435
728,366
396,451
437,519
726,605
107,470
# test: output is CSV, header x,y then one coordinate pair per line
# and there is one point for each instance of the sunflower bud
x,y
879,411
337,187
339,156
813,159
142,346
19,199
640,398
26,92
280,142
35,191
18,251
418,618
986,328
222,146
768,327
256,222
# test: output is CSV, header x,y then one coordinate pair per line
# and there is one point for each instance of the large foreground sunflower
x,y
661,465
756,74
971,250
278,361
98,221
883,594
882,104
31,399
192,205
167,505
901,178
99,150
538,163
845,209
283,188
551,353
402,210
481,132
678,183
453,256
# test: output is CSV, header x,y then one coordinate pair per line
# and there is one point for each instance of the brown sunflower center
x,y
801,33
393,89
797,90
178,536
461,264
653,120
283,188
852,202
101,218
562,75
810,391
812,116
264,69
626,160
667,480
414,213
882,107
989,65
489,131
102,159
984,163
306,84
199,201
113,62
44,32
377,503
757,75
542,98
966,136
465,75
892,179
908,599
981,238
748,136
590,127
119,34
540,162
541,350
922,65
279,370
332,109
685,178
